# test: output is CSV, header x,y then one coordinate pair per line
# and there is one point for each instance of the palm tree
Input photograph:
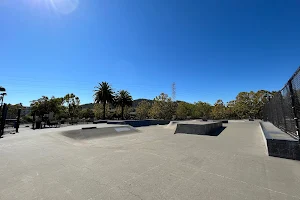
x,y
123,99
103,94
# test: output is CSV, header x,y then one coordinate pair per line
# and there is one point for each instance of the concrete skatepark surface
x,y
152,163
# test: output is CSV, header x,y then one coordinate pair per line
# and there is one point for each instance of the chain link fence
x,y
283,108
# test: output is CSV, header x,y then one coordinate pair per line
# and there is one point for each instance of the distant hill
x,y
134,103
88,105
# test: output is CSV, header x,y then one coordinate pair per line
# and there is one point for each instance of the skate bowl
x,y
98,132
197,128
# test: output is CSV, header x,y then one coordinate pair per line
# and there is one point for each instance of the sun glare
x,y
60,6
64,6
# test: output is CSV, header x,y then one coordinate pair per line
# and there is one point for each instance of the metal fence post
x,y
18,120
3,119
292,95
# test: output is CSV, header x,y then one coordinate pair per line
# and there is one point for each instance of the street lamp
x,y
2,97
2,89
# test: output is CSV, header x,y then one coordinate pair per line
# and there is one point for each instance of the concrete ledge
x,y
280,144
224,121
115,122
139,123
148,122
198,129
90,127
99,121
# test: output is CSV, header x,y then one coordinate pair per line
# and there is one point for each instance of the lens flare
x,y
58,6
64,6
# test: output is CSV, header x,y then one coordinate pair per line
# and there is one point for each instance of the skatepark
x,y
149,100
114,161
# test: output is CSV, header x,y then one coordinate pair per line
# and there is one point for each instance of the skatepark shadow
x,y
217,131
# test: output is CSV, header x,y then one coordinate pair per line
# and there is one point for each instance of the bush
x,y
26,119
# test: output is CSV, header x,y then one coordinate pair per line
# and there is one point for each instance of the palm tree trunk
x,y
104,105
122,113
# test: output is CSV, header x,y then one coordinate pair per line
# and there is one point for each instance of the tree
x,y
103,94
12,110
218,110
230,110
126,112
259,101
201,110
163,107
250,104
98,110
243,105
86,113
56,106
72,102
45,105
123,99
183,110
142,110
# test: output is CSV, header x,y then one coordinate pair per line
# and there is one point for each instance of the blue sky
x,y
210,49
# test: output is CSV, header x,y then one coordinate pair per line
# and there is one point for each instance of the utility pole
x,y
173,91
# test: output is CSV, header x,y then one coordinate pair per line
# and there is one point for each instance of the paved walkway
x,y
151,164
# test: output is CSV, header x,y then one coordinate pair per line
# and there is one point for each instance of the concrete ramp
x,y
198,128
172,125
98,132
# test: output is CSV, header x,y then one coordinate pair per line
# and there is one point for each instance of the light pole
x,y
2,97
3,93
2,112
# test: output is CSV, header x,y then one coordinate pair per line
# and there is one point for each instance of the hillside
x,y
137,101
88,105
134,103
